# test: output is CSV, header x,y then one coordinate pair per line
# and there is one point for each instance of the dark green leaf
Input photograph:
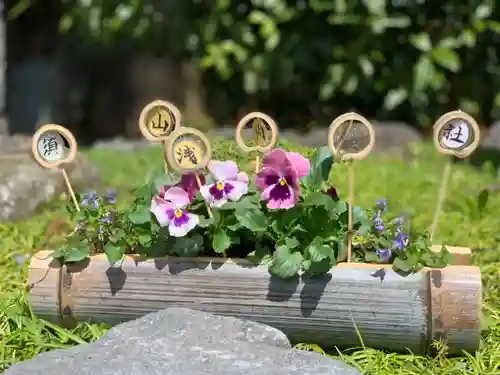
x,y
205,222
317,250
253,220
421,41
220,241
423,73
447,58
341,207
141,216
317,198
395,98
246,203
482,200
117,235
371,257
291,242
405,265
285,263
312,268
262,255
76,254
321,164
113,253
188,246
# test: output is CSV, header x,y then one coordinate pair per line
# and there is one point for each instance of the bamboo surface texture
x,y
389,311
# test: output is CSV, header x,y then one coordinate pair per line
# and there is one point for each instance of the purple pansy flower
x,y
89,199
384,255
188,183
332,192
171,211
279,177
230,184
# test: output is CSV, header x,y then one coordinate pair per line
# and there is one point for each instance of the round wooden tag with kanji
x,y
188,150
264,129
456,133
158,120
351,137
53,145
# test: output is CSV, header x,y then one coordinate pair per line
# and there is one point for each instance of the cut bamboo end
x,y
460,256
390,311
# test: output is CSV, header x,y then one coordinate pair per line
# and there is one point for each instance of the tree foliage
x,y
404,59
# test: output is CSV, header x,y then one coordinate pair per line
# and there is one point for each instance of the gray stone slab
x,y
183,341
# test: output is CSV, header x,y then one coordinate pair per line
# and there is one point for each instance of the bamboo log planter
x,y
388,310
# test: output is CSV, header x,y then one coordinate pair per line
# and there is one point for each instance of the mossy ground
x,y
409,187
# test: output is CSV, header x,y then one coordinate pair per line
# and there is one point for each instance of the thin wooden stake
x,y
350,178
198,182
70,189
441,196
257,163
165,162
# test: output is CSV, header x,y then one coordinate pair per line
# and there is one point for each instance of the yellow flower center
x,y
220,186
178,213
282,182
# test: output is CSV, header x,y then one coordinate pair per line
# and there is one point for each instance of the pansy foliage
x,y
287,217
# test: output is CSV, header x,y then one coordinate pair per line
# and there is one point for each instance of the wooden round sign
x,y
53,145
158,120
264,129
456,133
351,137
188,150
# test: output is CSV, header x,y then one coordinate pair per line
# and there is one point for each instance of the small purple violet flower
x,y
400,240
19,259
89,199
381,205
110,196
384,255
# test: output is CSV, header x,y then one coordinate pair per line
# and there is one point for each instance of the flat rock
x,y
24,185
183,341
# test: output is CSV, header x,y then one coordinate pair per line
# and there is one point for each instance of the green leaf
x,y
318,199
220,241
285,263
188,246
312,268
341,207
423,73
395,98
405,265
246,203
447,58
117,235
141,216
317,250
482,200
291,242
376,7
372,257
366,66
421,41
205,222
260,256
483,11
113,253
320,165
76,254
253,220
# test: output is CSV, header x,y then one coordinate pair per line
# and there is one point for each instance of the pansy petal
x,y
266,193
300,163
242,176
223,170
287,203
291,177
182,230
275,159
177,196
159,208
219,202
240,188
205,193
261,178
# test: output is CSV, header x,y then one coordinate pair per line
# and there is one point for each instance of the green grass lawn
x,y
409,187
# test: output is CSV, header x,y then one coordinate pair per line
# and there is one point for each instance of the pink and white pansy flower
x,y
171,211
230,184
